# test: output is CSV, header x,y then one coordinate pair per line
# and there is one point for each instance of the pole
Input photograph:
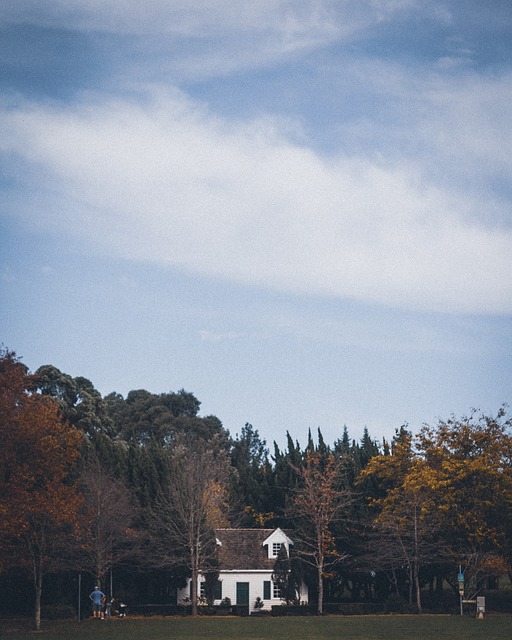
x,y
461,595
79,595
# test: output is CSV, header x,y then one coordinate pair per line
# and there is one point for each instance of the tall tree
x,y
79,402
318,503
251,489
471,460
39,502
145,417
108,515
445,492
192,504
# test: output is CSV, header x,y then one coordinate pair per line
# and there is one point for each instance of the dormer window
x,y
275,541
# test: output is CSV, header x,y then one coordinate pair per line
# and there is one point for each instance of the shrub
x,y
396,604
291,610
57,611
354,608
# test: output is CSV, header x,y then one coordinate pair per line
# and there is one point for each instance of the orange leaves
x,y
459,471
37,454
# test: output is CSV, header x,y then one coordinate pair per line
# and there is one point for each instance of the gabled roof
x,y
278,535
245,550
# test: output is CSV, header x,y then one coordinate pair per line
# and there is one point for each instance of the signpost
x,y
460,578
480,607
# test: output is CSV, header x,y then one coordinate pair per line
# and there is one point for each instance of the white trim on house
x,y
275,540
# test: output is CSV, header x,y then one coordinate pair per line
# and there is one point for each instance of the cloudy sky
x,y
299,210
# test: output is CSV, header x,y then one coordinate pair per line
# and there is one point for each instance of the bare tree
x,y
192,505
109,515
408,539
319,501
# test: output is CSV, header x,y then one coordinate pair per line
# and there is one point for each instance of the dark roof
x,y
243,550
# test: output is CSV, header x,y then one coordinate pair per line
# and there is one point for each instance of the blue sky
x,y
298,210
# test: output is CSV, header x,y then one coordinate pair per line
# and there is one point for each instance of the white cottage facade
x,y
246,563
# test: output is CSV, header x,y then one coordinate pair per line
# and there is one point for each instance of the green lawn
x,y
494,627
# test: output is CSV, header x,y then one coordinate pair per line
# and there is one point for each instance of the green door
x,y
242,593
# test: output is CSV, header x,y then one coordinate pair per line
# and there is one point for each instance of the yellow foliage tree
x,y
446,494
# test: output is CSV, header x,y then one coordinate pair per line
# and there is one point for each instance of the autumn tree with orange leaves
x,y
39,502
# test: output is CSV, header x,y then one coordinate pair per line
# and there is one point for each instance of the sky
x,y
298,210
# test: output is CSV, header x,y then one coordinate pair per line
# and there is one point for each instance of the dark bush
x,y
291,610
240,610
157,610
396,604
354,608
57,611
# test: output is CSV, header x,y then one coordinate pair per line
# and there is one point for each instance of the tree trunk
x,y
38,584
416,563
418,589
194,566
320,609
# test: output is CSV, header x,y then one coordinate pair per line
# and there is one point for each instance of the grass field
x,y
494,627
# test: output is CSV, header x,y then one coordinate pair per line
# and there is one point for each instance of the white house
x,y
246,562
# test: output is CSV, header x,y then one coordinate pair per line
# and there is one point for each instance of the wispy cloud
x,y
293,18
410,208
206,38
161,179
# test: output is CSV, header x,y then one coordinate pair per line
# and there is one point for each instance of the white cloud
x,y
163,180
293,18
204,38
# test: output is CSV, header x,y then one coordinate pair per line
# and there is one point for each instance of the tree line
x,y
135,487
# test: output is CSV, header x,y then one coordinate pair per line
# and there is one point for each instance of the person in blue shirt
x,y
97,598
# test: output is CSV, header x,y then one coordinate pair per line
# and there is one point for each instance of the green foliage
x,y
79,402
252,490
146,417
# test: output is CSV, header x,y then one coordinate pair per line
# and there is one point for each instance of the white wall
x,y
255,580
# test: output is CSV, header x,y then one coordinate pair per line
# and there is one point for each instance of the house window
x,y
218,590
270,590
276,546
